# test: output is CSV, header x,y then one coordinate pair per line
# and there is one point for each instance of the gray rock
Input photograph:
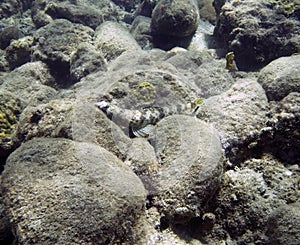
x,y
281,77
128,5
152,82
4,67
65,192
256,31
29,82
203,38
141,157
141,31
191,164
175,18
238,114
206,10
9,7
6,236
89,124
38,14
284,225
248,196
83,12
7,34
56,42
113,39
188,62
212,78
281,134
86,60
19,51
45,120
74,119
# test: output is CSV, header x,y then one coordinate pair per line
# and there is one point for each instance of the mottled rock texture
x,y
73,119
127,4
30,82
284,225
249,195
19,51
88,12
64,192
191,158
56,42
113,39
7,34
85,60
238,114
80,177
6,236
258,31
281,77
281,135
175,18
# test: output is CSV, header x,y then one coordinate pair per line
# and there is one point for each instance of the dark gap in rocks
x,y
61,73
168,42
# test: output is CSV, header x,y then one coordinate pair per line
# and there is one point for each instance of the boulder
x,y
281,135
176,18
38,14
281,77
65,192
283,226
57,41
191,163
238,114
207,11
9,7
73,119
19,51
86,60
9,33
256,31
152,82
87,13
30,82
250,194
212,78
141,158
141,31
113,39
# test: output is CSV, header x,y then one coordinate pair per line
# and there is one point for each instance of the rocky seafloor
x,y
224,173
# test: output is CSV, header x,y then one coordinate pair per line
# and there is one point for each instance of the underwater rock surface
x,y
238,114
61,191
258,31
107,139
191,163
284,225
175,18
281,77
113,39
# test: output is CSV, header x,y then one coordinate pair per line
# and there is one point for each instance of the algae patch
x,y
10,109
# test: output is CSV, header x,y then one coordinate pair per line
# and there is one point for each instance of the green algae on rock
x,y
10,108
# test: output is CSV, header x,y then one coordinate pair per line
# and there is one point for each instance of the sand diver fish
x,y
142,122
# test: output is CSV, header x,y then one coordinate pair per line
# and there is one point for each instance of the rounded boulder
x,y
58,191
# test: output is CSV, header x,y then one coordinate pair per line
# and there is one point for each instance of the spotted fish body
x,y
141,122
